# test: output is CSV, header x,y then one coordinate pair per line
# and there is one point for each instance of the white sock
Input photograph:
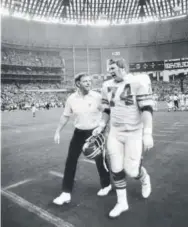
x,y
122,195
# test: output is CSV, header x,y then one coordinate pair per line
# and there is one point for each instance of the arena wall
x,y
87,48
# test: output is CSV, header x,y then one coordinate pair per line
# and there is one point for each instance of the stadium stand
x,y
44,43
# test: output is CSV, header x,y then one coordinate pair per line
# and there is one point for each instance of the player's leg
x,y
182,105
156,105
75,149
133,161
116,156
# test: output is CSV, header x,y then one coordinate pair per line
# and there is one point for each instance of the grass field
x,y
32,171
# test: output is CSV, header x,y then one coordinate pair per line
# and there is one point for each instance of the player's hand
x,y
57,137
148,141
97,130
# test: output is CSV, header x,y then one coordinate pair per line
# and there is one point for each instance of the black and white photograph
x,y
94,113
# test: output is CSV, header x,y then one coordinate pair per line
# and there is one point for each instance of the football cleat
x,y
94,146
118,209
146,186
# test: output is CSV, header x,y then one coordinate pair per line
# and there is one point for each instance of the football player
x,y
155,102
170,102
128,103
181,100
186,101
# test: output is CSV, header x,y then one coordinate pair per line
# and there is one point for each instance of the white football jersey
x,y
186,99
181,97
125,100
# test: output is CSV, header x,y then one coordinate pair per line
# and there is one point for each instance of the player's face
x,y
116,72
85,83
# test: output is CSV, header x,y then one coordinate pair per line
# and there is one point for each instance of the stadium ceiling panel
x,y
80,11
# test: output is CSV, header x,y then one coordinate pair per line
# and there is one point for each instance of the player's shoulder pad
x,y
142,79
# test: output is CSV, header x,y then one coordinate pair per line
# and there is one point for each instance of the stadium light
x,y
172,18
4,12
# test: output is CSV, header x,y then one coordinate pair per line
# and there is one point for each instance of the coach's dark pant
x,y
75,149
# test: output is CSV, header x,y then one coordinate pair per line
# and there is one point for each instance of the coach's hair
x,y
78,76
121,63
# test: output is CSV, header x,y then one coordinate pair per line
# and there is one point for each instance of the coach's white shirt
x,y
85,109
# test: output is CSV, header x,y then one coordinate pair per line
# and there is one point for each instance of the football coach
x,y
85,106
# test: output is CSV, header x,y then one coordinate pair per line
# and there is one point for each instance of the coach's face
x,y
85,83
116,72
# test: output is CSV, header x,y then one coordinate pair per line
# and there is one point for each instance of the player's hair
x,y
78,76
121,63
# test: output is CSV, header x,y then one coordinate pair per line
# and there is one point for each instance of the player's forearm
x,y
62,123
105,119
147,120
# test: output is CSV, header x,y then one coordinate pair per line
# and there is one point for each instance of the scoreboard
x,y
146,66
179,63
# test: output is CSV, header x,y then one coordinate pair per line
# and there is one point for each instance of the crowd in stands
x,y
31,58
22,96
162,88
24,65
16,96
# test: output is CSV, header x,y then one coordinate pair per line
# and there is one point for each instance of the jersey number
x,y
126,95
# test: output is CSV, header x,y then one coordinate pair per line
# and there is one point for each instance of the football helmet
x,y
94,146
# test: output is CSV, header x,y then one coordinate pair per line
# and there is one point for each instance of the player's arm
x,y
105,111
145,103
147,120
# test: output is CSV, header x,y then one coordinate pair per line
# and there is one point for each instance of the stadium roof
x,y
92,11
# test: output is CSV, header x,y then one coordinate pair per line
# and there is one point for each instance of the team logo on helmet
x,y
94,146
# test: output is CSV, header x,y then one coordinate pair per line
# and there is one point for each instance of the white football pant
x,y
125,151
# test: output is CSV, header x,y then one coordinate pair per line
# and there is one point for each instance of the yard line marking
x,y
171,128
181,125
45,215
18,184
172,141
57,174
159,134
86,160
166,131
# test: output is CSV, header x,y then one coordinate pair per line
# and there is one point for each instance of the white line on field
x,y
18,184
58,222
57,174
90,161
159,134
172,141
166,131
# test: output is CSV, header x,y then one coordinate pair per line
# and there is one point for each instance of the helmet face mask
x,y
94,146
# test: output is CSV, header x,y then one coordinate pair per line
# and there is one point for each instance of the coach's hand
x,y
57,137
147,141
97,130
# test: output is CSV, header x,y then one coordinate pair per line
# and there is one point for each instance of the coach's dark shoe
x,y
63,198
